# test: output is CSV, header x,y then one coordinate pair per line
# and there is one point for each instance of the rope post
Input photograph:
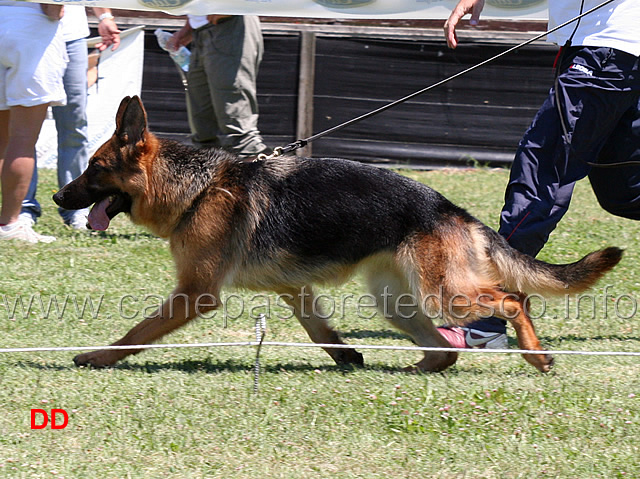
x,y
304,126
261,331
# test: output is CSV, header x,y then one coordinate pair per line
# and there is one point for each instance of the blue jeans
x,y
592,115
71,125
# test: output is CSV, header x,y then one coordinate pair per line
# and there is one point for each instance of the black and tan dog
x,y
284,224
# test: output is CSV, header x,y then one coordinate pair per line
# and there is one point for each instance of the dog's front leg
x,y
317,326
180,308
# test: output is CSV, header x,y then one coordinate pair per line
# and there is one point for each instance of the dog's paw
x,y
548,363
433,363
95,359
542,362
348,357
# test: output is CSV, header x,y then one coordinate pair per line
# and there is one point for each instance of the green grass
x,y
192,413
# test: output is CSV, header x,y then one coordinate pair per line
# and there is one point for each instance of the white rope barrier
x,y
319,345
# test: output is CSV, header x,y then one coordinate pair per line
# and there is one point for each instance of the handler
x,y
591,117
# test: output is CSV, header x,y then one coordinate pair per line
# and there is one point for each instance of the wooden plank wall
x,y
315,77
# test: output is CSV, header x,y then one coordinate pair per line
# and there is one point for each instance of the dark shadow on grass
x,y
231,365
44,367
208,366
122,236
583,339
377,334
194,366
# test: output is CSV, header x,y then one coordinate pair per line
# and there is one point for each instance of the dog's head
x,y
115,177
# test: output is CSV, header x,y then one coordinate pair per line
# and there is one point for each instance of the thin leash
x,y
281,150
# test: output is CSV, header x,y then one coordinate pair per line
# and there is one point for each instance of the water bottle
x,y
180,56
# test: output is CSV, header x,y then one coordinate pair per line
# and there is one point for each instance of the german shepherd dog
x,y
284,224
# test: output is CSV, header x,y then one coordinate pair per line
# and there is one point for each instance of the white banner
x,y
354,9
119,74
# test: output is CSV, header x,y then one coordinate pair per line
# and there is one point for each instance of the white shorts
x,y
33,58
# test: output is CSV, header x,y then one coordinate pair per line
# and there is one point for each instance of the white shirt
x,y
197,21
74,23
615,26
12,3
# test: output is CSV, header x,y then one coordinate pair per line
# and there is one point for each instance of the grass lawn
x,y
192,413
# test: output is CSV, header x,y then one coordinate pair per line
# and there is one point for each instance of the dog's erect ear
x,y
123,106
131,121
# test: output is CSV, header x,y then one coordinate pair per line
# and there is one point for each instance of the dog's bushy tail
x,y
522,273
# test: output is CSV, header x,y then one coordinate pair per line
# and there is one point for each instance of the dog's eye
x,y
98,167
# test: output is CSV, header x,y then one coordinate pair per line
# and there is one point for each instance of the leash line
x,y
303,142
518,225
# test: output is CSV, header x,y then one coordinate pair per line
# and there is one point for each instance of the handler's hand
x,y
474,7
180,38
110,34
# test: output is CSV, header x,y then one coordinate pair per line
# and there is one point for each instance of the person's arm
x,y
53,12
107,29
181,38
474,7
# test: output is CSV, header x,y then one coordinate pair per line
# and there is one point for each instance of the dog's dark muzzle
x,y
69,199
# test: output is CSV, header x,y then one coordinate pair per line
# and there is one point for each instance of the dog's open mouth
x,y
105,209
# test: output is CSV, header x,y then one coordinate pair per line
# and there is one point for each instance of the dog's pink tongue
x,y
98,218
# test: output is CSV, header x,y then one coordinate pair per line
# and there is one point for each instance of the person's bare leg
x,y
19,130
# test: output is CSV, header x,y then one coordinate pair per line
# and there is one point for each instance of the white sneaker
x,y
27,218
482,339
22,230
473,338
78,221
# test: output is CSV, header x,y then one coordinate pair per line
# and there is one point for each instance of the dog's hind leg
x,y
476,303
177,310
403,310
511,307
317,326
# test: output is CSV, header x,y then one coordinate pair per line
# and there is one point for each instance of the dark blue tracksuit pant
x,y
596,97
